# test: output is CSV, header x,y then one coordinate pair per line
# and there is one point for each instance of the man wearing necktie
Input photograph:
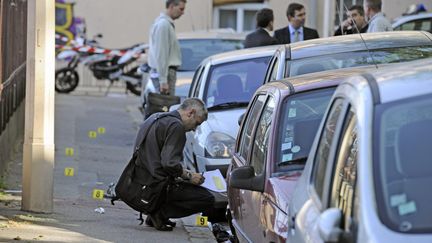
x,y
295,31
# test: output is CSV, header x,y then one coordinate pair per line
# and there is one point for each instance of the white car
x,y
421,21
368,174
225,82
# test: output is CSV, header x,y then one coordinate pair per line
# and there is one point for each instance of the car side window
x,y
274,71
249,124
345,173
197,79
324,145
418,24
260,143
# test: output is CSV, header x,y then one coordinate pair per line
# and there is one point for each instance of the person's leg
x,y
186,199
172,78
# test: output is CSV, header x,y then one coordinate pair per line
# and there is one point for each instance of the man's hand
x,y
164,88
197,178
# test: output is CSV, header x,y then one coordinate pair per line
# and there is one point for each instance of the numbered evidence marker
x,y
69,152
201,220
101,130
69,171
98,194
92,134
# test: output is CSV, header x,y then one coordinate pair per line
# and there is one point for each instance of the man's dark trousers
x,y
185,199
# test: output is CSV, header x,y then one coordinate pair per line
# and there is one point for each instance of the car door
x,y
194,90
343,188
253,201
240,158
304,225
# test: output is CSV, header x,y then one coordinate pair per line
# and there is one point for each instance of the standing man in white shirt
x,y
164,49
377,20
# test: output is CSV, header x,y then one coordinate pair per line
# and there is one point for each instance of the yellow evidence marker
x,y
201,220
98,194
101,130
92,134
69,152
69,171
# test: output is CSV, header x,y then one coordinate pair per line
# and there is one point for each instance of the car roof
x,y
242,54
403,19
318,80
398,81
225,34
356,42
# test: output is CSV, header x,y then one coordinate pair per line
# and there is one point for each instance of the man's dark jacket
x,y
350,31
284,37
260,37
161,153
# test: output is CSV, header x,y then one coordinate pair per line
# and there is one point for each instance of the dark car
x,y
271,149
348,51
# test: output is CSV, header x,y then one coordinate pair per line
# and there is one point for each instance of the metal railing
x,y
12,95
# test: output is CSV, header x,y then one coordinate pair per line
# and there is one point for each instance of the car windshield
x,y
195,50
235,82
299,121
358,58
402,164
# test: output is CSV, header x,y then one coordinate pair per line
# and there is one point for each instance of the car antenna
x,y
363,40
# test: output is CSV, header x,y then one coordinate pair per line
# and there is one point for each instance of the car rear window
x,y
358,58
195,50
297,126
403,165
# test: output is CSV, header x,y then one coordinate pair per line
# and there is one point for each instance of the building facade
x,y
124,23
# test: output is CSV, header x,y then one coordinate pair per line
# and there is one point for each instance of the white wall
x,y
127,22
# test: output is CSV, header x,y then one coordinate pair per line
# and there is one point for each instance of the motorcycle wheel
x,y
66,80
134,88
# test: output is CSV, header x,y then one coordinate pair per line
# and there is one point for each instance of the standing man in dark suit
x,y
261,36
295,31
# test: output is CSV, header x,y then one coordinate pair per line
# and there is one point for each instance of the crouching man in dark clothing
x,y
160,157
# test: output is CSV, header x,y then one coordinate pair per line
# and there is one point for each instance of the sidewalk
x,y
100,130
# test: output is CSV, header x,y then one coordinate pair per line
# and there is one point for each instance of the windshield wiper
x,y
298,161
228,105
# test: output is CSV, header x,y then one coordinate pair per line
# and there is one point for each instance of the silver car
x,y
421,21
368,174
347,51
226,83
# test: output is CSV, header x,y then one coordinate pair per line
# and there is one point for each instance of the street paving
x,y
94,136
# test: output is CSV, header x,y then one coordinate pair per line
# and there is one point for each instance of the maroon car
x,y
273,143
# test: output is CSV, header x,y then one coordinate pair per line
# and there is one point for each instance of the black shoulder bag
x,y
143,198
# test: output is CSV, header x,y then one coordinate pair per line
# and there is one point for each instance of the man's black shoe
x,y
149,222
159,223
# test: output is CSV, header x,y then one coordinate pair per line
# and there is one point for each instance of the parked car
x,y
225,82
198,45
368,173
348,51
421,21
271,149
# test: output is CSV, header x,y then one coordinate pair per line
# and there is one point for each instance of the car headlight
x,y
219,145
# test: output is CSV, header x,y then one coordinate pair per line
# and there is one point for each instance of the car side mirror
x,y
240,120
329,225
244,178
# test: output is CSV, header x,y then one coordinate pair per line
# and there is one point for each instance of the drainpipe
x,y
328,17
313,16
